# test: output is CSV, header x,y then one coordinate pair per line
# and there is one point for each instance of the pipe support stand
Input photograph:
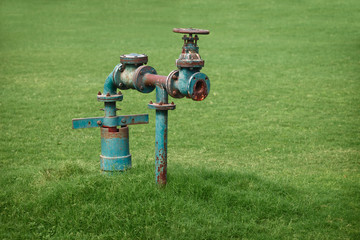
x,y
115,154
161,132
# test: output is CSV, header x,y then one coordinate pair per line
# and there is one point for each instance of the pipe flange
x,y
138,79
188,63
110,98
158,106
134,58
199,86
171,82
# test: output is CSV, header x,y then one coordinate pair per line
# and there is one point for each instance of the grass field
x,y
272,153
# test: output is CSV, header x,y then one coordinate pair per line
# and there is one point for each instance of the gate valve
x,y
188,81
189,56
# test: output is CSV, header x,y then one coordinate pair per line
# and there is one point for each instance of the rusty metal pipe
x,y
154,79
161,127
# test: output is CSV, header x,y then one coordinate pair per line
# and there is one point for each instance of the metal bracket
x,y
79,123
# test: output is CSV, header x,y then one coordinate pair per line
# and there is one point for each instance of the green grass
x,y
272,153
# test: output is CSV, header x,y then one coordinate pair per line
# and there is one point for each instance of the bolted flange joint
x,y
110,98
194,85
139,80
134,58
162,106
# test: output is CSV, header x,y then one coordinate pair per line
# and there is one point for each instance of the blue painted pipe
x,y
115,155
110,109
161,130
109,86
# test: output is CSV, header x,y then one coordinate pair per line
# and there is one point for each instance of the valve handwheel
x,y
191,31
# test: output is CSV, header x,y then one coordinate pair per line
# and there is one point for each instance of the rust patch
x,y
161,178
113,129
187,63
162,163
122,132
199,91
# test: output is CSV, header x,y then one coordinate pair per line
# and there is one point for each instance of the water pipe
x,y
132,73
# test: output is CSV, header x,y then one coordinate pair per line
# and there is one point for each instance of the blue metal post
x,y
110,109
161,130
115,155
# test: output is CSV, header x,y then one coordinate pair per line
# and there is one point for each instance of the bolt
x,y
108,94
123,120
122,68
120,93
172,103
174,92
99,93
98,122
121,85
161,103
150,102
174,77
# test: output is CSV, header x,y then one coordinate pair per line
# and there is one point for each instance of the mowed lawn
x,y
272,153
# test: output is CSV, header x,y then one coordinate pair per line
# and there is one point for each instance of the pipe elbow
x,y
109,85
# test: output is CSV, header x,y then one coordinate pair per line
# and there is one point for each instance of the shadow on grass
x,y
196,204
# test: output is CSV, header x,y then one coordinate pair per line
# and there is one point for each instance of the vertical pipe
x,y
115,155
110,109
161,129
